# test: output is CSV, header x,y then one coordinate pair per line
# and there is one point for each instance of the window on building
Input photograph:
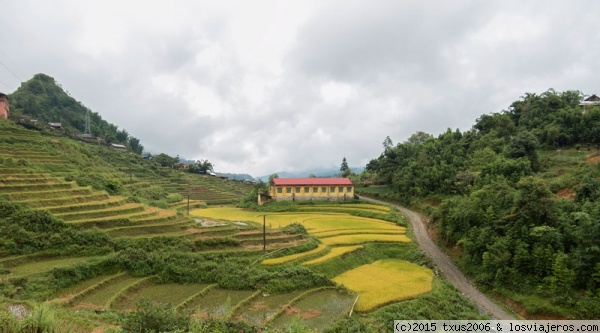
x,y
349,189
332,189
297,190
315,190
279,190
288,190
323,190
341,189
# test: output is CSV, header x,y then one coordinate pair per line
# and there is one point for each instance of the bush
x,y
113,186
149,317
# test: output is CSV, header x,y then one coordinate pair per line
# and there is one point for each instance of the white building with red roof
x,y
286,189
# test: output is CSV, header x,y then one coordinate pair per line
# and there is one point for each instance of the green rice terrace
x,y
89,236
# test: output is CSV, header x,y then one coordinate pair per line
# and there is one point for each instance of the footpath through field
x,y
452,273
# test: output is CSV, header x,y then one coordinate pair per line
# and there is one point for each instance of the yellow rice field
x,y
365,238
314,222
386,281
338,232
334,253
286,259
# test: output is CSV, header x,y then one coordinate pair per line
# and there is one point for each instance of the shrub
x,y
149,317
113,186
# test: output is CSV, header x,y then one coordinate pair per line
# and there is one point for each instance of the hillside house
x,y
55,126
589,102
89,138
282,189
117,147
4,106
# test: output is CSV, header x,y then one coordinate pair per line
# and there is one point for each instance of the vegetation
x,y
76,227
516,196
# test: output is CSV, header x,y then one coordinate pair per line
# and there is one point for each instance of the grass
x,y
333,253
386,281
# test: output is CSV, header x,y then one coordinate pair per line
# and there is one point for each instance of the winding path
x,y
452,273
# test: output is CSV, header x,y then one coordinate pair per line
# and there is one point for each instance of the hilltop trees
x,y
497,206
202,166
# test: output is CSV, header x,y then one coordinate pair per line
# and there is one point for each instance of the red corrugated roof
x,y
311,181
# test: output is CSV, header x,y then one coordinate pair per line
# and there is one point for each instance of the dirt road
x,y
445,265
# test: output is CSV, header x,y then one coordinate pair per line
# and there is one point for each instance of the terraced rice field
x,y
42,265
171,293
100,298
333,253
218,302
293,257
364,238
262,308
386,281
378,284
316,310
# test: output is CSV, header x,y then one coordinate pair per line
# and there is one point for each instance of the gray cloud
x,y
273,86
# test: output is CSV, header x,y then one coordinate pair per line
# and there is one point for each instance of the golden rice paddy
x,y
386,281
380,283
334,253
290,258
365,238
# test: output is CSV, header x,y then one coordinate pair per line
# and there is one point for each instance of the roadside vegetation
x,y
514,200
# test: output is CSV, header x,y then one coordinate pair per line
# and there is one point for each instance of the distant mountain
x,y
320,173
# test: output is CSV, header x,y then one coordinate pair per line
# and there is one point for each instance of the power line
x,y
12,64
6,85
11,72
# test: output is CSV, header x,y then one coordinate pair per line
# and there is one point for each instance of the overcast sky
x,y
265,86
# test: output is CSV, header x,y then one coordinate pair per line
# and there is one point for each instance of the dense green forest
x,y
496,195
43,99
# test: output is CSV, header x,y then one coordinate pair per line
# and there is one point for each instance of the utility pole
x,y
87,129
188,206
264,234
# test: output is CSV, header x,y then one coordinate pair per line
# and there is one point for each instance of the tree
x,y
166,160
345,169
387,143
122,136
203,166
273,176
135,146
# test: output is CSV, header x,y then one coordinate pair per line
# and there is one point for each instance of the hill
x,y
80,215
43,99
515,199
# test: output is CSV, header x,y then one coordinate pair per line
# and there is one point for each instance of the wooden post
x,y
264,233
